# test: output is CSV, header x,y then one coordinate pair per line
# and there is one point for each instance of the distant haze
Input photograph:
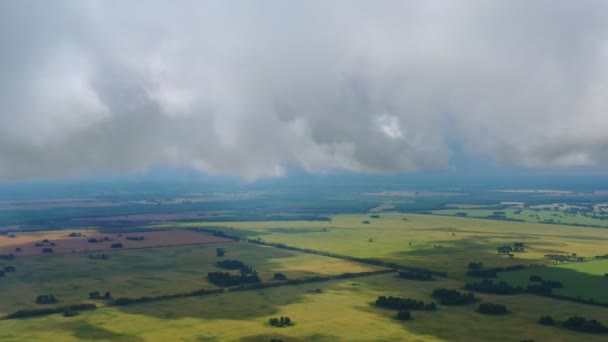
x,y
252,88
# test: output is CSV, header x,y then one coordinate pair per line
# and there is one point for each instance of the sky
x,y
254,89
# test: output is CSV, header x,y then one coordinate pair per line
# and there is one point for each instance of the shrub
x,y
404,315
492,309
546,320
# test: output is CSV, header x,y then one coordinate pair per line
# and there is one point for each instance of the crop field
x,y
342,311
79,241
436,242
582,279
149,272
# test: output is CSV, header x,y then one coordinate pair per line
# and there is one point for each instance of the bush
x,y
492,309
280,321
69,313
404,315
545,320
398,303
415,275
453,297
581,324
227,279
279,276
488,286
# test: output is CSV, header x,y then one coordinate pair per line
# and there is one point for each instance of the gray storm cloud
x,y
249,88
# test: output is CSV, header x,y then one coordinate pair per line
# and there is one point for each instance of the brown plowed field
x,y
64,244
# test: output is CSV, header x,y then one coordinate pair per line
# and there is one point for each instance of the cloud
x,y
250,89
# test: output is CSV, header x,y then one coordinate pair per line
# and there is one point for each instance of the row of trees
x,y
48,311
135,238
577,323
477,270
245,287
128,301
453,297
398,303
489,286
415,275
492,309
97,295
226,279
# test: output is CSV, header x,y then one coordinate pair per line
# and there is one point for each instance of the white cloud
x,y
250,89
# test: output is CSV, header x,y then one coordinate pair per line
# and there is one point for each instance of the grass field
x,y
413,241
148,272
582,279
529,215
342,312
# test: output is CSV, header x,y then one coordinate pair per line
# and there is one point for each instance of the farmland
x,y
327,309
441,243
88,241
342,311
148,272
580,280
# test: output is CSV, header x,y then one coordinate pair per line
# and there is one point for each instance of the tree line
x,y
489,286
49,311
415,275
226,279
492,309
477,270
577,323
398,303
453,297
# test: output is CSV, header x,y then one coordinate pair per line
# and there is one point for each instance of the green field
x,y
343,309
529,215
149,272
582,279
413,241
342,312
